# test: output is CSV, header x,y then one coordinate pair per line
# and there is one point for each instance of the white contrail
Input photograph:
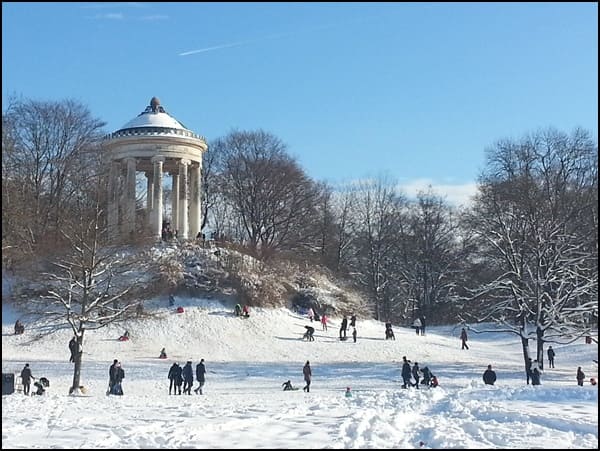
x,y
216,47
249,41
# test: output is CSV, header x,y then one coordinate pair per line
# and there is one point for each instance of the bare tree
x,y
47,159
90,284
271,195
376,222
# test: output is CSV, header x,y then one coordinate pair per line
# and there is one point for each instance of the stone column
x,y
113,201
183,200
149,198
129,217
157,198
195,199
175,201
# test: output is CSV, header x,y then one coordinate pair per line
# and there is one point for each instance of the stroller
x,y
41,386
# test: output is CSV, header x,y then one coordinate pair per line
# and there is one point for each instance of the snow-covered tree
x,y
532,218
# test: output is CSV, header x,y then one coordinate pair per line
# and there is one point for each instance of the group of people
x,y
419,325
178,376
116,374
408,373
242,311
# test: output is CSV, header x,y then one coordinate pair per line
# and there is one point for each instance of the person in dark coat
x,y
415,373
406,372
464,338
307,372
389,332
343,326
118,387
309,333
200,372
551,355
536,373
287,386
580,376
426,376
188,377
353,320
175,379
489,375
354,334
26,379
423,325
112,376
73,348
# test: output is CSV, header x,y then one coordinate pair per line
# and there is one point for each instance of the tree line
x,y
525,251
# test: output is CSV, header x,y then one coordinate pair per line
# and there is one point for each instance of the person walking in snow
x,y
188,378
406,372
354,335
417,325
464,338
307,372
324,321
389,332
551,355
200,372
311,314
26,379
113,371
175,378
580,376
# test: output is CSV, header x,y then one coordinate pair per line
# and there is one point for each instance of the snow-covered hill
x,y
249,359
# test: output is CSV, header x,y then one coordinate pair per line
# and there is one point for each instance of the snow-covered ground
x,y
243,405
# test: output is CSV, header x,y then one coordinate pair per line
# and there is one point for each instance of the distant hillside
x,y
192,270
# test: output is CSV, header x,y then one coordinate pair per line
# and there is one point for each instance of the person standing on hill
x,y
406,372
464,338
188,378
580,376
353,320
536,373
423,325
175,378
200,372
551,355
324,321
343,326
307,372
26,378
417,325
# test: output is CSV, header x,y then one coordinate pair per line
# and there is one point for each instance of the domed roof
x,y
154,116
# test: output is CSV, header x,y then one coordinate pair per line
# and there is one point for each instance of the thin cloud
x,y
110,16
113,5
154,17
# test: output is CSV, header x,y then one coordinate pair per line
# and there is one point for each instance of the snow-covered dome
x,y
154,116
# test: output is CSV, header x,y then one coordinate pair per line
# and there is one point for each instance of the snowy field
x,y
243,405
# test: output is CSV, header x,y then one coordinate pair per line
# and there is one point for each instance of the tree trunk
x,y
540,347
525,346
77,369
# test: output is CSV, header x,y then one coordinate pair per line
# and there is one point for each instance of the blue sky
x,y
415,91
